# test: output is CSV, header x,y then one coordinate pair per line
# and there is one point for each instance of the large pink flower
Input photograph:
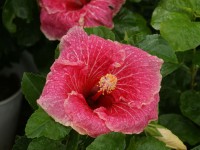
x,y
58,16
97,85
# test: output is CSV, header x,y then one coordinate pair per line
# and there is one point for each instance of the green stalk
x,y
194,70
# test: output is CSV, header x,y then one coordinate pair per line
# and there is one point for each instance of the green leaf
x,y
45,144
23,9
190,105
156,45
146,143
8,16
32,86
21,143
132,24
171,9
196,148
182,127
101,31
21,18
181,34
176,21
168,68
109,141
41,124
73,141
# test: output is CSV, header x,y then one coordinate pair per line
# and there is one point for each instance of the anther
x,y
107,83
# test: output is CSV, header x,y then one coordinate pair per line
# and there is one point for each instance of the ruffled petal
x,y
127,119
55,25
60,81
58,16
53,6
139,77
82,118
99,55
101,12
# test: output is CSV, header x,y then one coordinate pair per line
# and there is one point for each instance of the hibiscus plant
x,y
112,74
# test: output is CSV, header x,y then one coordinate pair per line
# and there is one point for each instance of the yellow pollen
x,y
107,83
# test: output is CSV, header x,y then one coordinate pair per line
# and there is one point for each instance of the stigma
x,y
107,83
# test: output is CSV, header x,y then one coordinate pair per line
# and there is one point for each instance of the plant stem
x,y
194,70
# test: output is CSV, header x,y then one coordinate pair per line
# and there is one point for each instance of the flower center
x,y
107,83
100,94
73,5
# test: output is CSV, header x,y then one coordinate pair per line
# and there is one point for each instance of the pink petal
x,y
82,118
101,12
53,6
60,81
98,55
138,78
127,119
58,16
55,25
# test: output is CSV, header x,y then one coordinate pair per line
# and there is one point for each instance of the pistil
x,y
106,85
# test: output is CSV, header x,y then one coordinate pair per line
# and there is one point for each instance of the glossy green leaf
x,y
102,32
109,141
146,143
45,144
190,105
181,34
176,21
182,127
171,9
41,124
32,85
133,24
156,45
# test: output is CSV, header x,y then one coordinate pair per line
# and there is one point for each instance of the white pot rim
x,y
10,98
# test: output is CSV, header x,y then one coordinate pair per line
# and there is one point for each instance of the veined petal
x,y
60,81
121,117
99,55
139,77
55,25
58,16
53,6
101,12
82,118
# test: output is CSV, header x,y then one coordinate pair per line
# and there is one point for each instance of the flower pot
x,y
9,112
10,106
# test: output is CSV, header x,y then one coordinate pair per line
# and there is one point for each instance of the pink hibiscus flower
x,y
97,86
58,16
